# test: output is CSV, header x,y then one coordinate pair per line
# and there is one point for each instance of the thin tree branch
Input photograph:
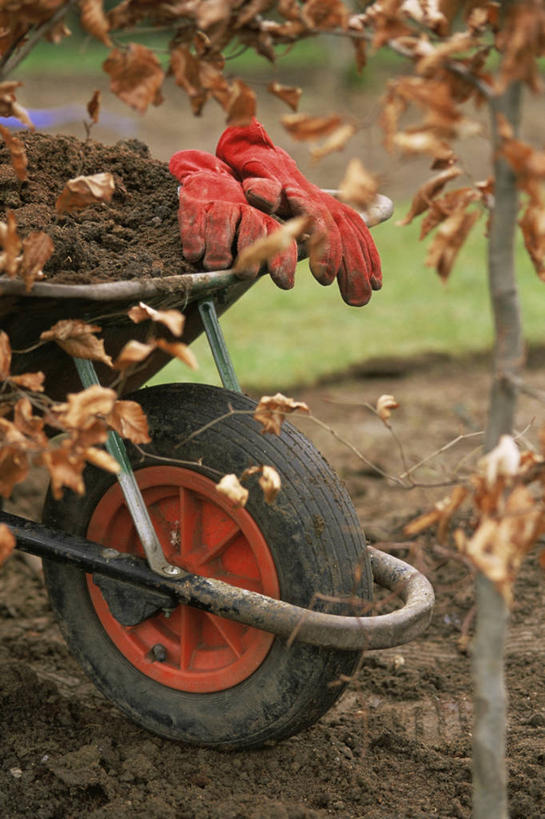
x,y
32,38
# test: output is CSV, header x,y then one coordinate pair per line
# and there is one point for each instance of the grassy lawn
x,y
278,338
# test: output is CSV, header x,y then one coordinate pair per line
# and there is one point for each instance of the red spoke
x,y
230,632
190,522
214,550
188,635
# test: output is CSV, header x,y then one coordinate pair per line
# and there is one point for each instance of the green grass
x,y
278,339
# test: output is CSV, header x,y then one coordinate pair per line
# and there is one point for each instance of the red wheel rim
x,y
201,531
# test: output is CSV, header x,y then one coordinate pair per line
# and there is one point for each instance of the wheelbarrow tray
x,y
24,316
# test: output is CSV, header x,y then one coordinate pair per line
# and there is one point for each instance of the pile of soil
x,y
135,236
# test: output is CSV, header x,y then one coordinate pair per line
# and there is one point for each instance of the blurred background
x,y
282,339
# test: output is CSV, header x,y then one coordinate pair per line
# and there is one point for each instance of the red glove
x,y
273,183
216,221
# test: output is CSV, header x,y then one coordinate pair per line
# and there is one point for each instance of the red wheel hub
x,y
200,531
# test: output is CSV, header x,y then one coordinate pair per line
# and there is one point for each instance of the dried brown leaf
x,y
101,459
288,94
231,487
81,409
7,542
270,483
305,127
325,14
11,246
93,19
133,352
37,249
358,187
532,225
85,190
172,319
385,405
136,76
272,409
241,106
93,106
9,107
337,141
65,469
5,356
180,351
30,381
448,240
263,249
129,420
14,467
77,338
427,192
17,153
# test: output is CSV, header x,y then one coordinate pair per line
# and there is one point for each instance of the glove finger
x,y
221,224
282,266
371,253
353,282
192,220
251,228
325,245
264,194
183,163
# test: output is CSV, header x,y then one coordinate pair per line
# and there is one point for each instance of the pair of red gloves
x,y
226,201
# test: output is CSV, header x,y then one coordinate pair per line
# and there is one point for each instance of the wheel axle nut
x,y
159,653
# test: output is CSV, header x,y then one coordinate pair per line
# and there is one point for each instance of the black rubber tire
x,y
317,545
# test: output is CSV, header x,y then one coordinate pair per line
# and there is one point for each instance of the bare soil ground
x,y
398,743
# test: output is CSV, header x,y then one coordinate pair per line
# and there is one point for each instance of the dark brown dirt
x,y
134,236
398,743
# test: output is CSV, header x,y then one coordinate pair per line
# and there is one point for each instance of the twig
x,y
33,37
440,451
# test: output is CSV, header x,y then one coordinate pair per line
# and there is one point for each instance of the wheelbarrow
x,y
206,623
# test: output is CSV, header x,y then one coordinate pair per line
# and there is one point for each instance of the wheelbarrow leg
x,y
216,340
131,491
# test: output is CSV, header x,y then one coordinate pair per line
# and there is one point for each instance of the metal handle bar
x,y
283,619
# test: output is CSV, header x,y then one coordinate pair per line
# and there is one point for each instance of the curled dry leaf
x,y
286,93
11,246
448,240
439,516
136,76
385,405
358,187
81,409
318,14
498,545
37,249
270,483
263,249
129,420
14,467
77,338
336,141
231,487
428,192
305,127
241,106
133,352
532,225
502,461
65,469
102,459
5,355
94,20
9,107
30,381
85,190
179,350
272,409
172,319
7,542
17,153
424,141
93,106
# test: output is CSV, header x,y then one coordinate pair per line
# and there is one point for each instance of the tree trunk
x,y
490,698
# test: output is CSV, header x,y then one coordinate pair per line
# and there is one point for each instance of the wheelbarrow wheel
x,y
188,675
